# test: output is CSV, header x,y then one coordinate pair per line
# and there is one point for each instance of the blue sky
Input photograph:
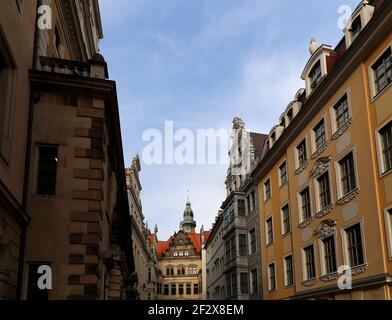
x,y
199,63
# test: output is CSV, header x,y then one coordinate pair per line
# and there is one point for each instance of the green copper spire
x,y
188,224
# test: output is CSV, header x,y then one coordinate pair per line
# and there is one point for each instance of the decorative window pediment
x,y
326,229
321,166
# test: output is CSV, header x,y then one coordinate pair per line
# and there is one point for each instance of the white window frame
x,y
339,190
372,85
388,227
322,254
266,230
303,261
343,235
280,174
264,189
332,110
317,191
286,285
269,277
380,156
299,202
313,134
296,153
282,221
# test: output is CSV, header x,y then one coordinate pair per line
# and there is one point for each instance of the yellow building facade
x,y
325,184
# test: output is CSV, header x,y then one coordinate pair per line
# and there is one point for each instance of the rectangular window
x,y
188,289
231,283
195,289
230,250
47,170
253,199
248,200
173,289
315,75
329,255
255,286
270,231
342,114
34,293
252,242
271,277
356,28
305,204
283,173
166,289
388,224
310,267
386,147
320,137
289,271
354,245
301,153
267,190
243,245
241,208
286,223
324,191
347,174
244,283
382,71
181,289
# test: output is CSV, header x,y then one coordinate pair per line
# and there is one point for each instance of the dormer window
x,y
356,28
315,75
290,115
273,137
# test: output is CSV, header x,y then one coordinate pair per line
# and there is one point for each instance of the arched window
x,y
175,254
181,254
186,253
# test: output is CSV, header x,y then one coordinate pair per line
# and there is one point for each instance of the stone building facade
x,y
180,275
64,195
142,239
236,231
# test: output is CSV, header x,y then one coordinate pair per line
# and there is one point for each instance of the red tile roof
x,y
163,246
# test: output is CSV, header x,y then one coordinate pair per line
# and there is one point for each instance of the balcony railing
x,y
65,66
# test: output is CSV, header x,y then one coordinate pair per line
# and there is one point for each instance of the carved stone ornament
x,y
305,223
321,166
302,167
348,197
309,283
326,229
342,130
324,212
318,152
359,269
329,277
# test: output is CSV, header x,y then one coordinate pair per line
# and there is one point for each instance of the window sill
x,y
348,197
379,94
286,234
320,150
305,223
289,286
325,211
310,282
329,277
359,269
342,129
283,185
302,167
386,173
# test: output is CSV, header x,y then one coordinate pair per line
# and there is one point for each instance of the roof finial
x,y
313,46
188,196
